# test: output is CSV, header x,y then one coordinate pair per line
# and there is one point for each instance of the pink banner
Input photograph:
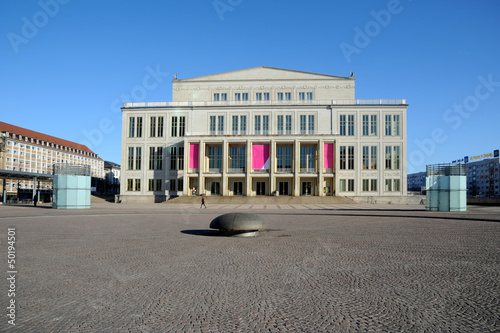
x,y
260,157
194,150
328,156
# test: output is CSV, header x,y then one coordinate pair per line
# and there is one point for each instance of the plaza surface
x,y
318,268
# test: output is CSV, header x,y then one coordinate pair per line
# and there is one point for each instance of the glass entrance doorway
x,y
283,188
306,188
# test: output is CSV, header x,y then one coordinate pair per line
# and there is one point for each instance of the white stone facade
x,y
263,131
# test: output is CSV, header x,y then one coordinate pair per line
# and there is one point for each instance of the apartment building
x,y
30,152
263,131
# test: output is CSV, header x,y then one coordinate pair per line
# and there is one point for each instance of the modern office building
x,y
483,178
30,152
263,131
416,181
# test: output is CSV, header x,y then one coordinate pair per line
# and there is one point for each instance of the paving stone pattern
x,y
159,268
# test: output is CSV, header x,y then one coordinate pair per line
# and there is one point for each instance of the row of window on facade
x,y
263,96
345,185
284,158
370,185
155,184
156,127
48,144
43,151
261,125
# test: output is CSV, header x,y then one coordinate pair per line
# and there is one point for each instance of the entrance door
x,y
261,188
306,188
215,188
283,188
238,188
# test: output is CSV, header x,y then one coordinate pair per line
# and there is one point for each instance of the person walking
x,y
203,202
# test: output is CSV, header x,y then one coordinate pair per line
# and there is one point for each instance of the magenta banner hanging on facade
x,y
328,156
260,157
194,150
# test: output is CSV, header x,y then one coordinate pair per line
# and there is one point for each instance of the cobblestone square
x,y
318,268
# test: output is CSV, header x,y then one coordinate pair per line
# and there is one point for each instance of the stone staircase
x,y
280,200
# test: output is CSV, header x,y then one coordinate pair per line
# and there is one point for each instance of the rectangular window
x,y
131,127
266,96
280,124
350,125
280,96
151,183
343,157
180,163
366,159
350,157
396,158
151,158
288,96
172,185
258,96
173,131
365,125
223,97
303,124
257,125
173,158
130,158
373,185
235,125
220,127
388,125
244,96
373,125
152,127
265,125
139,127
160,127
311,124
159,185
138,153
137,184
350,185
342,124
130,184
309,96
395,125
159,158
237,97
366,185
212,125
243,125
180,184
342,185
388,157
182,126
373,158
215,159
302,96
216,97
396,186
288,120
388,185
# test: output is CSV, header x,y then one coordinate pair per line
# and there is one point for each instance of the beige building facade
x,y
263,131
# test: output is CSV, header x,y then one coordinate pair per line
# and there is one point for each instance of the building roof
x,y
263,73
12,129
108,164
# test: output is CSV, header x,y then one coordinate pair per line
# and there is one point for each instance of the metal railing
x,y
271,102
284,170
307,170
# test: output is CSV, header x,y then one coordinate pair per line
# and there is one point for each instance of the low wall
x,y
401,200
140,198
483,201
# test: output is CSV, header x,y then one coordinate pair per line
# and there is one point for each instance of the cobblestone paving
x,y
319,268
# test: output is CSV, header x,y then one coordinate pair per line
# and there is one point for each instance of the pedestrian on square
x,y
203,202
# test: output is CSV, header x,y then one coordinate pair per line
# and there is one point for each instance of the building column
x,y
296,167
201,167
272,149
225,157
185,170
320,161
249,169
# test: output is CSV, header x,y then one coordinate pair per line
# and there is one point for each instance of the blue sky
x,y
68,64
